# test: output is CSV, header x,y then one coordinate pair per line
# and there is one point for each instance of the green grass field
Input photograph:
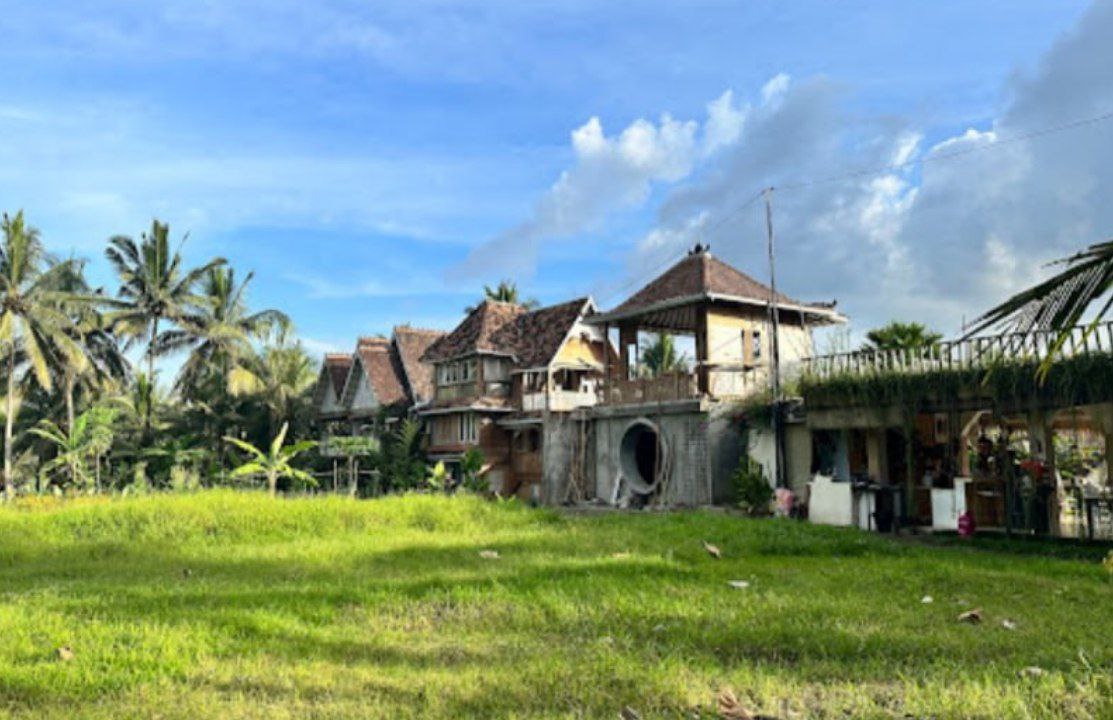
x,y
230,604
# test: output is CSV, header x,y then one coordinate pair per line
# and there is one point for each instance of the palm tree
x,y
32,320
1058,303
107,366
659,355
278,376
901,336
274,463
507,292
220,333
154,287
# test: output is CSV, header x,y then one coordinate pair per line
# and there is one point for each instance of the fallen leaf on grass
x,y
971,616
927,599
489,554
1032,671
738,584
712,550
730,708
65,653
1008,624
629,713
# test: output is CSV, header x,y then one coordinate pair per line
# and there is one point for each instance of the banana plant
x,y
275,462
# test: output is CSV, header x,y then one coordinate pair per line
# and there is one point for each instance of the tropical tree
x,y
506,291
279,377
32,319
1059,303
219,334
85,440
901,336
106,365
658,354
155,288
275,463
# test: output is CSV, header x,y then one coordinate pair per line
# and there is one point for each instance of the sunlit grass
x,y
236,605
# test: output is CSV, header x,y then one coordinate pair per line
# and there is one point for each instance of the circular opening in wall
x,y
640,453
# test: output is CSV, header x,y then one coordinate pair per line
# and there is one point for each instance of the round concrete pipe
x,y
640,455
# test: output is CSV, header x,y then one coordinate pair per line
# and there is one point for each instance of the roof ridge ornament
x,y
700,249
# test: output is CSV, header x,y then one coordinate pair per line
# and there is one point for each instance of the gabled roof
x,y
334,373
701,276
535,337
382,369
475,333
410,344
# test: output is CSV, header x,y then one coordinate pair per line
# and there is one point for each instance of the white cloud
x,y
609,173
977,222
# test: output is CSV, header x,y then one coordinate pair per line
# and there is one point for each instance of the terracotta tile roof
x,y
338,365
535,337
334,371
475,333
700,273
383,370
410,344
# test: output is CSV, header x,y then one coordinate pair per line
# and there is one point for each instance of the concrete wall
x,y
703,449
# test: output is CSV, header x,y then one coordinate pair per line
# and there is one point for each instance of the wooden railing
x,y
973,352
722,383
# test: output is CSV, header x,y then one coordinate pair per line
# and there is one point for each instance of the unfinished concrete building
x,y
671,435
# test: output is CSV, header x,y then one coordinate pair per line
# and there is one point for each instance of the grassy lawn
x,y
236,605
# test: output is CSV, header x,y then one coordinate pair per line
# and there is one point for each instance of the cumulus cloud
x,y
936,242
609,173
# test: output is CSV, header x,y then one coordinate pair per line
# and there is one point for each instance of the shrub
x,y
752,490
470,466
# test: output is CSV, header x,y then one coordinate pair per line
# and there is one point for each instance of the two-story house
x,y
383,379
500,374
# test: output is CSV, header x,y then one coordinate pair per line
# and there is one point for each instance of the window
x,y
755,345
467,429
458,371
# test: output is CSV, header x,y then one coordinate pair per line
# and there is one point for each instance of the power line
x,y
866,172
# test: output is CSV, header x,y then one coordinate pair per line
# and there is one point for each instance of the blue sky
x,y
375,163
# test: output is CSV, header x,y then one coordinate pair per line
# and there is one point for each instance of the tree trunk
x,y
150,380
272,483
9,420
68,390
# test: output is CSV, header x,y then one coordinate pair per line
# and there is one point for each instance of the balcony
x,y
558,401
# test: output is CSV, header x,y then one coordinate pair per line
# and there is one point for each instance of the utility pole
x,y
775,346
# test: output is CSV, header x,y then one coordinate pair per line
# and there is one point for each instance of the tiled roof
x,y
383,371
338,365
475,333
698,274
411,343
532,337
535,337
334,371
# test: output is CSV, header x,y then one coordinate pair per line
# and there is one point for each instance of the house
x,y
330,387
383,379
501,375
674,439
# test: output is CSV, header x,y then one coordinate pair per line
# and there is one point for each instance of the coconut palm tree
x,y
507,292
275,463
107,366
154,288
658,355
901,336
278,376
32,319
219,334
1058,303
